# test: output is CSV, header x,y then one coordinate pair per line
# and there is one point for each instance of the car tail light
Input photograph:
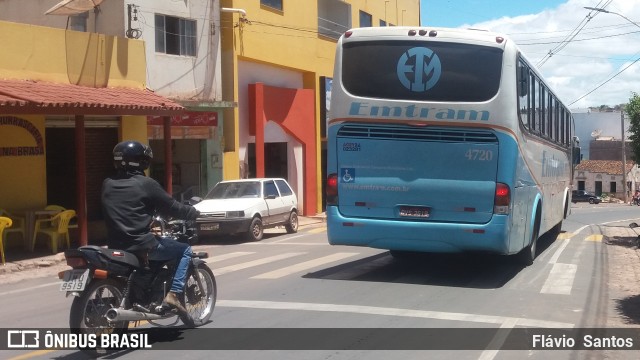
x,y
502,199
332,189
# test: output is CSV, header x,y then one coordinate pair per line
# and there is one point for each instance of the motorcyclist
x,y
129,201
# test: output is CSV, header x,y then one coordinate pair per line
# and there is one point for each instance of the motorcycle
x,y
112,287
635,201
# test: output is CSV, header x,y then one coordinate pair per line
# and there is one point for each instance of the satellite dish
x,y
596,133
73,7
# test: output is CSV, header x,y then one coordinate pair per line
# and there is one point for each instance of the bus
x,y
444,140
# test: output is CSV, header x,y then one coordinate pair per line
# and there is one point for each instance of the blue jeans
x,y
169,249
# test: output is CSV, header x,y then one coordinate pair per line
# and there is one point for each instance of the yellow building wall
x,y
289,39
68,57
23,178
134,128
71,57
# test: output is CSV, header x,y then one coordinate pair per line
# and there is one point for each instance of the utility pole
x,y
624,157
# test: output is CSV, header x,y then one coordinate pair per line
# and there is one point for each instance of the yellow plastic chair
x,y
5,222
54,208
60,208
59,229
19,225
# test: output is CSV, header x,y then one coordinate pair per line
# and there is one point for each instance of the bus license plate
x,y
209,227
75,280
420,212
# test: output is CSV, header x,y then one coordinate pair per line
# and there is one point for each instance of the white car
x,y
248,206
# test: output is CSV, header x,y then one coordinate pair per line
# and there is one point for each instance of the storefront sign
x,y
22,150
191,118
189,125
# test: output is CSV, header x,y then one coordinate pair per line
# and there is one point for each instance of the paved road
x,y
298,281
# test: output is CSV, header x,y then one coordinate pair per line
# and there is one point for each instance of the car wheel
x,y
292,224
256,230
591,201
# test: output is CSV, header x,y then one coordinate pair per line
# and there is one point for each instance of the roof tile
x,y
44,97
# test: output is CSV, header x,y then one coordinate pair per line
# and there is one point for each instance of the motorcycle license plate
x,y
75,280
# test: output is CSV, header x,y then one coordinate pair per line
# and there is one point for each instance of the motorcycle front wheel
x,y
88,311
200,301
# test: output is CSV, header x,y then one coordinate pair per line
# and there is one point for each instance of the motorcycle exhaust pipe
x,y
130,315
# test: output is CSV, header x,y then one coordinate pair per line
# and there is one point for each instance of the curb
x,y
40,262
29,264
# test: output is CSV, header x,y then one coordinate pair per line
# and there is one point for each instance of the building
x,y
605,176
66,97
592,124
181,50
277,61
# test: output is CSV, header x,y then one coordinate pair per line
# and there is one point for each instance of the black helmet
x,y
132,155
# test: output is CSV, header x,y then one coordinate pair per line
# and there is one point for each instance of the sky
x,y
588,58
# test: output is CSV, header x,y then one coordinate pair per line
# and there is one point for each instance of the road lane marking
x,y
498,340
374,310
228,256
285,239
245,265
29,288
556,255
560,280
317,230
32,354
565,236
595,237
276,274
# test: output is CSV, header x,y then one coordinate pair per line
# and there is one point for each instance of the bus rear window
x,y
421,71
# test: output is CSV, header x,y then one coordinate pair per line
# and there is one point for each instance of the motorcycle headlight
x,y
235,214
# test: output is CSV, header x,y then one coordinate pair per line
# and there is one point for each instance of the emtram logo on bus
x,y
424,67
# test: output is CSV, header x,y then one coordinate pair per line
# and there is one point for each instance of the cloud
x,y
605,45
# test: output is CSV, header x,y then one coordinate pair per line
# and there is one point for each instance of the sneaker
x,y
172,300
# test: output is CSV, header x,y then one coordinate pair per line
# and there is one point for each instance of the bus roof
x,y
478,36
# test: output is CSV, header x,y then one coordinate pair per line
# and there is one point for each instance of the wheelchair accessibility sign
x,y
348,175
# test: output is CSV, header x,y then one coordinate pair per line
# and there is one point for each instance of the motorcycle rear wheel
x,y
201,301
88,312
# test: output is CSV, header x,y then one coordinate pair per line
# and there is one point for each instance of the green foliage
x,y
633,111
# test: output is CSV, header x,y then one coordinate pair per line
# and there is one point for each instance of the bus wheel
x,y
528,254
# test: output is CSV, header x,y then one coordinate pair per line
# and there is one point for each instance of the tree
x,y
633,111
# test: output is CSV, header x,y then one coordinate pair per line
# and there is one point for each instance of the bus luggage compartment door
x,y
417,174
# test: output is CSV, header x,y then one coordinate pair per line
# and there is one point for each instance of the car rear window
x,y
284,188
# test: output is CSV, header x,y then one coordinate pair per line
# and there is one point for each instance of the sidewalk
x,y
19,260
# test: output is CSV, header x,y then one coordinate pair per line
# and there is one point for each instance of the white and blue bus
x,y
444,140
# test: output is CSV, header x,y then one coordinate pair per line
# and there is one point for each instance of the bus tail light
x,y
502,199
332,189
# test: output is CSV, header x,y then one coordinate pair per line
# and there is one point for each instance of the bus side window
x,y
523,94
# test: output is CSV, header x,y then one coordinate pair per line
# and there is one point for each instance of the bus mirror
x,y
576,155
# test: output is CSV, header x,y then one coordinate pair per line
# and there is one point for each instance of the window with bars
x,y
175,36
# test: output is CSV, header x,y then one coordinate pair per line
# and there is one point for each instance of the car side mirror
x,y
633,225
270,197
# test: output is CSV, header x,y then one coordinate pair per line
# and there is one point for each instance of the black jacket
x,y
129,202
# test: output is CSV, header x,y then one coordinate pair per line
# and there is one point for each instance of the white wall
x,y
251,73
197,78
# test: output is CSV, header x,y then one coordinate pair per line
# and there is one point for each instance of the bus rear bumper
x,y
421,236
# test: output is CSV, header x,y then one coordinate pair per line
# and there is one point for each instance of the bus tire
x,y
528,254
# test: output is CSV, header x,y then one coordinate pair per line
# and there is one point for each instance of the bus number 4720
x,y
479,155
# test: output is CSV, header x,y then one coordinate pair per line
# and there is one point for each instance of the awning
x,y
39,97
